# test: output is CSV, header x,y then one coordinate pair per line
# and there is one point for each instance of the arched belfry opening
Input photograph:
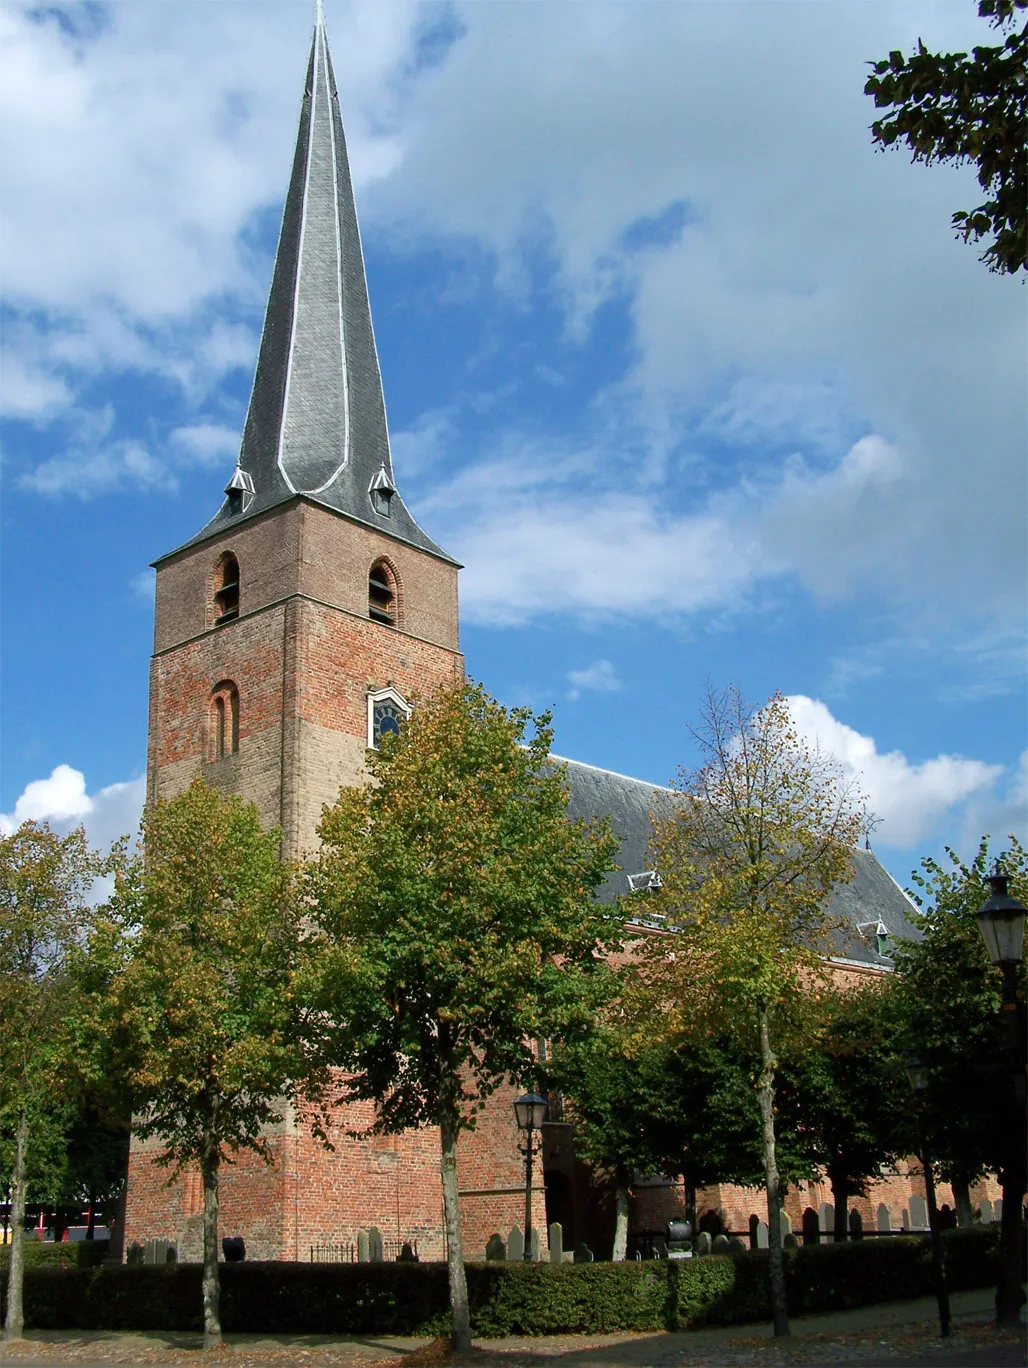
x,y
225,596
384,598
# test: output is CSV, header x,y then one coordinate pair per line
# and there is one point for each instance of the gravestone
x,y
495,1250
786,1224
736,1245
761,1235
947,1217
918,1212
375,1244
536,1244
856,1225
720,1245
232,1246
811,1228
826,1214
406,1254
703,1243
515,1245
905,1220
884,1218
363,1247
997,1209
583,1254
753,1222
985,1211
556,1242
789,1241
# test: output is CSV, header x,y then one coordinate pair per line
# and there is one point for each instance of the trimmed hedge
x,y
72,1254
506,1298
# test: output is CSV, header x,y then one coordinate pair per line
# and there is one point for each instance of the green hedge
x,y
506,1298
73,1254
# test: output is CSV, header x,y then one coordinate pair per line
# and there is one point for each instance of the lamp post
x,y
1001,922
918,1075
530,1112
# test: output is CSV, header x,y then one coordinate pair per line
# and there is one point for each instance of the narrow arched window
x,y
226,589
223,724
383,596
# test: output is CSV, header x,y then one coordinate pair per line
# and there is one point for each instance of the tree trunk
x,y
620,1253
459,1314
690,1202
15,1323
962,1201
211,1282
839,1197
766,1099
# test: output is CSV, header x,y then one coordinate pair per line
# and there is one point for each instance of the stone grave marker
x,y
789,1241
583,1254
363,1247
985,1211
905,1219
515,1245
761,1235
536,1244
736,1245
720,1245
496,1250
375,1244
884,1218
703,1242
997,1209
556,1242
826,1215
753,1222
856,1225
811,1227
786,1224
918,1212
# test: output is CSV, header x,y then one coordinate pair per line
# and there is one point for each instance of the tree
x,y
45,883
454,900
761,835
852,1097
951,107
946,999
203,1015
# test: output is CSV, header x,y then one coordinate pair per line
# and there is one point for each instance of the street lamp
x,y
530,1112
917,1072
1001,922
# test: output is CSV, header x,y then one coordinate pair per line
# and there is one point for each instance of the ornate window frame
x,y
388,695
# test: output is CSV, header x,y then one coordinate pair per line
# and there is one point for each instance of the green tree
x,y
203,1015
762,833
946,1000
455,902
952,107
45,884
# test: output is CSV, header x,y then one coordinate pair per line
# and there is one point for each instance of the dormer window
x,y
876,934
383,601
644,882
226,590
381,494
239,491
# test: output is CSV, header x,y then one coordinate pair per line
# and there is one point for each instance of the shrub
x,y
506,1298
73,1254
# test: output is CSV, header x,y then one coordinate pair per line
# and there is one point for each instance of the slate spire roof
x,y
316,424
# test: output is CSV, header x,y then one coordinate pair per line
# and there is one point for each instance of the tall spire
x,y
316,424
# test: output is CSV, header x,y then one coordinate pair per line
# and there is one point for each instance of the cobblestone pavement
x,y
873,1337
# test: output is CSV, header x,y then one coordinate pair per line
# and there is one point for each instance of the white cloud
x,y
89,473
62,800
911,800
206,444
599,677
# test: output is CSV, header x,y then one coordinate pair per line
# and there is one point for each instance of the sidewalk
x,y
897,1332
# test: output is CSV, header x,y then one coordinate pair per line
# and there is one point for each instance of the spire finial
x,y
319,12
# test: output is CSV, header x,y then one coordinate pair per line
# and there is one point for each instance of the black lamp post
x,y
917,1072
530,1111
1001,922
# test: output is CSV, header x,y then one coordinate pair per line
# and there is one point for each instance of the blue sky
x,y
696,384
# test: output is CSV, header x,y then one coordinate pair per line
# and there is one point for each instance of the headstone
x,y
556,1242
406,1254
786,1224
811,1228
884,1218
826,1214
375,1244
789,1241
997,1209
495,1250
172,1255
985,1211
754,1221
761,1235
905,1219
918,1212
720,1245
856,1225
363,1247
947,1217
583,1254
703,1243
536,1245
134,1254
232,1246
736,1245
515,1245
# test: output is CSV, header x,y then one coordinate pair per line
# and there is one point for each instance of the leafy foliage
x,y
952,107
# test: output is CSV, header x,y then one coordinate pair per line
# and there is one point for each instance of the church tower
x,y
300,621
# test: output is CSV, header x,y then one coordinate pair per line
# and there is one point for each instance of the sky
x,y
697,385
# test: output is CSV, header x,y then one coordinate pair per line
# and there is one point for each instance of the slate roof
x,y
872,896
316,424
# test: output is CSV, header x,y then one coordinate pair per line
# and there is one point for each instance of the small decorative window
x,y
226,589
387,712
381,494
876,934
642,883
383,595
223,723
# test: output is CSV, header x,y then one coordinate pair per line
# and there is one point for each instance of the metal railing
x,y
346,1251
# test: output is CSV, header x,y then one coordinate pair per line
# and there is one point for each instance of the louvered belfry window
x,y
382,603
226,590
